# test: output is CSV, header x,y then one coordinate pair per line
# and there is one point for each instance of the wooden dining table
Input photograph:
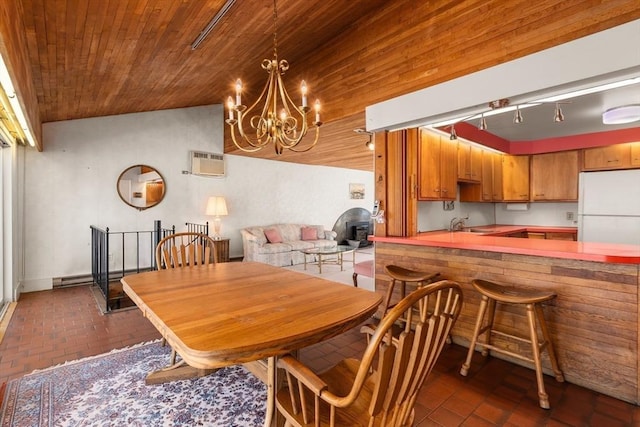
x,y
243,313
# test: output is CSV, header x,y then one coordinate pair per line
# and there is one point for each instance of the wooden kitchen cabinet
x,y
497,178
491,173
635,154
554,176
437,171
617,156
469,162
515,178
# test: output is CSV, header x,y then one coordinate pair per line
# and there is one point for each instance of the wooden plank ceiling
x,y
105,57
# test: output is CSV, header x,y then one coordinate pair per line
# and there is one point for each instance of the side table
x,y
222,250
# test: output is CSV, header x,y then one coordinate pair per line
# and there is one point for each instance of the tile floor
x,y
51,327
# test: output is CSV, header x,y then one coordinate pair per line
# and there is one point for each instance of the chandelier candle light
x,y
280,121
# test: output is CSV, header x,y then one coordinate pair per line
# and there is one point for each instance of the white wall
x,y
432,216
551,214
72,185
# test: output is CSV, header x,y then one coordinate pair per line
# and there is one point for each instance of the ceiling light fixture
x,y
558,116
279,120
214,21
622,114
369,144
517,118
453,135
483,123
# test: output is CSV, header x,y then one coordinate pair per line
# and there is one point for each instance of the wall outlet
x,y
570,216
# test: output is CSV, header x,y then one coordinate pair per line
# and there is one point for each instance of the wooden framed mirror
x,y
141,187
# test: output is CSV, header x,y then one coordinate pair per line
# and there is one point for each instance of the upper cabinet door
x,y
616,156
554,176
429,166
437,167
515,178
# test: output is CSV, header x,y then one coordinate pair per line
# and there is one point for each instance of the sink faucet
x,y
457,224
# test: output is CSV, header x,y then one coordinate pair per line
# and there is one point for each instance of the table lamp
x,y
216,206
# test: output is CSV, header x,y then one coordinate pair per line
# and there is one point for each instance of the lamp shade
x,y
216,206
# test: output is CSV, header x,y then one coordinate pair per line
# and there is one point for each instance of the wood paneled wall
x,y
593,321
409,45
13,48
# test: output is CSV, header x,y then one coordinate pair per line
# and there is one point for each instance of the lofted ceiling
x,y
89,58
97,58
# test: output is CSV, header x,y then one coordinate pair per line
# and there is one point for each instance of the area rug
x,y
109,390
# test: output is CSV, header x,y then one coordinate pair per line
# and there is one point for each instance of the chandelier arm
x,y
315,141
241,148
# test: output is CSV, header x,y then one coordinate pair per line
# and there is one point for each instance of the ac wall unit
x,y
207,164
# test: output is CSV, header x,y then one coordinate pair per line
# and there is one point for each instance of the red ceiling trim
x,y
574,142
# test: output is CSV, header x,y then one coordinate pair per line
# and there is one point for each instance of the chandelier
x,y
273,118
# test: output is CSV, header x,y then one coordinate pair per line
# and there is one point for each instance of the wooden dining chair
x,y
181,250
188,249
381,389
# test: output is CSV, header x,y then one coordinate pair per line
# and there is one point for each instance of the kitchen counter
x,y
594,321
492,238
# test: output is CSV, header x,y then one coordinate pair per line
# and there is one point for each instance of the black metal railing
x,y
198,228
115,254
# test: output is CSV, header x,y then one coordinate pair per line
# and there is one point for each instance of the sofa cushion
x,y
298,245
273,235
255,234
309,233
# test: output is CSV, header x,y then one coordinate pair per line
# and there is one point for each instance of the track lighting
x,y
369,144
558,116
483,123
453,136
517,118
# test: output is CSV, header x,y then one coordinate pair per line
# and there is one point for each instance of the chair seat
x,y
512,295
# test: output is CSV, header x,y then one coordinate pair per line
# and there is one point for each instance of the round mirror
x,y
141,186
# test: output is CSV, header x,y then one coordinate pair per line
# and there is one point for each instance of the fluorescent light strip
x,y
9,89
587,91
214,21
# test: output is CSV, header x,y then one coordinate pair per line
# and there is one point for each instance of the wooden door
x,y
396,172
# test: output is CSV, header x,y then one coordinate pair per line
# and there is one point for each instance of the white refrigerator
x,y
609,207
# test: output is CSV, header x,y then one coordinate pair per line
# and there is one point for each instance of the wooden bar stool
x,y
492,293
404,276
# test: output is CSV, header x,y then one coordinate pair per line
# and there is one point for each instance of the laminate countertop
x,y
493,238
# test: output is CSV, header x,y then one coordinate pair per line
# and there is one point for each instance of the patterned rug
x,y
109,390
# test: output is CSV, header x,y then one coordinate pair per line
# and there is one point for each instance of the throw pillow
x,y
272,235
309,233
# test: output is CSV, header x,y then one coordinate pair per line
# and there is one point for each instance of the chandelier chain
x,y
275,28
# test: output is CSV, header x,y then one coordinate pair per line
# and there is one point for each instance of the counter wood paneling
x,y
593,321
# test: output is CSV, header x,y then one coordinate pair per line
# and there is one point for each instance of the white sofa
x,y
257,246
